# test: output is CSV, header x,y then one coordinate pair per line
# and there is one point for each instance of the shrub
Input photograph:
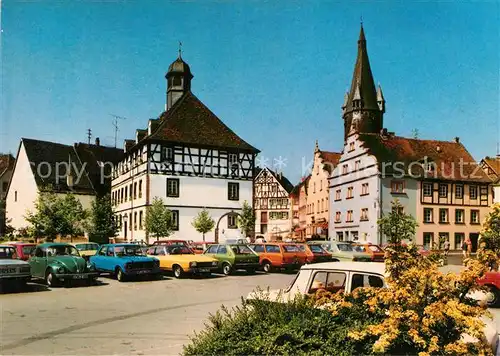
x,y
293,328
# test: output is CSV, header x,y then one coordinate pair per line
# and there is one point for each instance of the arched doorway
x,y
218,222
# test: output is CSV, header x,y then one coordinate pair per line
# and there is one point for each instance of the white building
x,y
272,205
191,160
82,169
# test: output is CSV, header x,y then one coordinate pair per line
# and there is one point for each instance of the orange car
x,y
315,253
376,253
200,247
279,255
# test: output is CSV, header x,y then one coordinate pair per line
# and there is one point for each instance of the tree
x,y
158,219
398,226
203,223
56,215
102,224
246,221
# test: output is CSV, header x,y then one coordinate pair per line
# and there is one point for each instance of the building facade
x,y
491,165
188,158
318,205
6,168
82,169
272,205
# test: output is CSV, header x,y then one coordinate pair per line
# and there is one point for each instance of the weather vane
x,y
180,48
361,20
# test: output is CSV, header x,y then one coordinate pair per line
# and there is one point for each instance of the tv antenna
x,y
115,125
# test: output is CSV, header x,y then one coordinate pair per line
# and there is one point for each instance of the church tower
x,y
178,81
364,105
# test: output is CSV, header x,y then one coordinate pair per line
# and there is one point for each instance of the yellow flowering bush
x,y
424,311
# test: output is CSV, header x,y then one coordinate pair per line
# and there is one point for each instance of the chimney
x,y
97,141
457,139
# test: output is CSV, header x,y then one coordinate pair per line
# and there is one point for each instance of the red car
x,y
23,249
181,243
492,281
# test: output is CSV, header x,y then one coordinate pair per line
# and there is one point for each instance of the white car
x,y
345,277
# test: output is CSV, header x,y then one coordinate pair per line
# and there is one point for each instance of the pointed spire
x,y
362,34
380,99
316,147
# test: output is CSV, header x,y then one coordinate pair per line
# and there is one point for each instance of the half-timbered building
x,y
191,160
272,204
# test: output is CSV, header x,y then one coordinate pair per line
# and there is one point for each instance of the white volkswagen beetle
x,y
345,277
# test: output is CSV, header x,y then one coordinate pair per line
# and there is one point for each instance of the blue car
x,y
125,261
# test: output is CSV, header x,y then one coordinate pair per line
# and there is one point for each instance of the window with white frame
x,y
233,191
167,154
349,216
427,187
344,169
472,192
459,191
337,194
232,221
459,216
443,216
175,219
474,216
397,187
428,215
173,187
364,189
338,217
364,214
357,164
443,190
350,192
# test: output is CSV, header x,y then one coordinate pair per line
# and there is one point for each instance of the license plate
x,y
204,270
79,276
142,272
8,270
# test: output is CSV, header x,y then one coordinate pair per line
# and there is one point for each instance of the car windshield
x,y
27,250
133,250
302,248
242,250
375,248
359,248
292,282
291,248
87,247
7,253
317,249
179,250
62,250
345,247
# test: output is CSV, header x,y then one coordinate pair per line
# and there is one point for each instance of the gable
x,y
267,176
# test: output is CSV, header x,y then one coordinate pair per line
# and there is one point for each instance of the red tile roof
x,y
189,121
451,159
494,163
330,159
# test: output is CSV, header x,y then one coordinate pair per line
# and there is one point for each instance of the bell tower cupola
x,y
178,80
364,105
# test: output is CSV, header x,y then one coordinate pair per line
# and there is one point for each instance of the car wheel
x,y
177,271
120,276
226,269
50,279
493,297
267,267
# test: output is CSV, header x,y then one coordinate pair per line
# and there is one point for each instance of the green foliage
x,y
246,220
102,223
261,327
203,223
56,215
398,226
158,219
490,235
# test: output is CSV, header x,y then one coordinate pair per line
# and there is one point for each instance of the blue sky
x,y
275,72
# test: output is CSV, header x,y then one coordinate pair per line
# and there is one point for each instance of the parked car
x,y
316,253
233,257
236,241
23,249
60,262
12,269
376,253
181,260
200,247
342,251
125,261
344,277
87,249
492,281
279,255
